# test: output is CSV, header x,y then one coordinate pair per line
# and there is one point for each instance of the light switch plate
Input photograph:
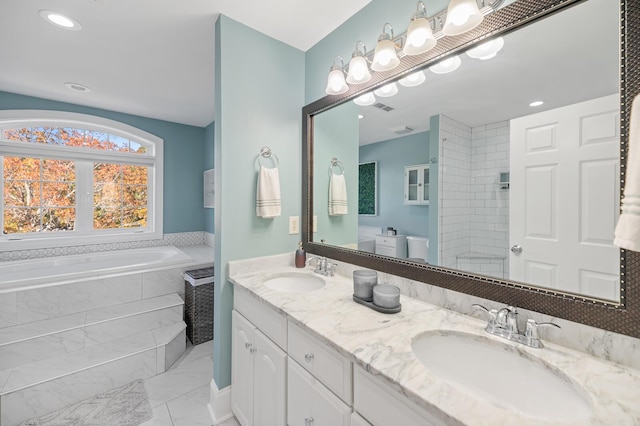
x,y
294,224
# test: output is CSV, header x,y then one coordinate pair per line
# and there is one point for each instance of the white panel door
x,y
269,383
564,198
242,368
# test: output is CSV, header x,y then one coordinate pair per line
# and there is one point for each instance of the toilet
x,y
418,248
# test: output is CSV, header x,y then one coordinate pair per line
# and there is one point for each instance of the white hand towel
x,y
628,228
268,202
337,195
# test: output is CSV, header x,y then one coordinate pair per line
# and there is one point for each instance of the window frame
x,y
153,159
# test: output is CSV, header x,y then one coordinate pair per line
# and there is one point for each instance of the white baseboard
x,y
219,403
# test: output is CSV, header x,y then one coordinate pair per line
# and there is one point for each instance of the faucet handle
x,y
492,313
531,337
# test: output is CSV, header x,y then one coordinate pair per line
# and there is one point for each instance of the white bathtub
x,y
35,273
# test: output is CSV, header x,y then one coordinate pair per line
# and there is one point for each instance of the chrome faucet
x,y
323,266
504,323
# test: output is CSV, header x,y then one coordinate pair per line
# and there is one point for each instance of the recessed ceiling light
x,y
60,20
77,87
536,103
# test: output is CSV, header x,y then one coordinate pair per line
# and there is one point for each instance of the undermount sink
x,y
502,376
294,282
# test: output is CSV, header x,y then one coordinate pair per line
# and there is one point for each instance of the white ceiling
x,y
152,58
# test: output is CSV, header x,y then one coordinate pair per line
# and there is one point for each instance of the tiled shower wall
x,y
176,239
474,209
489,227
455,174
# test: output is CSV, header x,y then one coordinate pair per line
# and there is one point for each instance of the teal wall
x,y
183,158
392,156
209,135
335,134
259,99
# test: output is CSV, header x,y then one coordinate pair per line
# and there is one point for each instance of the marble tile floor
x,y
180,395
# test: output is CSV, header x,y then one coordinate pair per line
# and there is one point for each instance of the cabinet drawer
x,y
310,403
386,241
382,406
322,361
271,323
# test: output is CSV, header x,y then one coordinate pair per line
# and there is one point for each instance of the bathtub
x,y
35,273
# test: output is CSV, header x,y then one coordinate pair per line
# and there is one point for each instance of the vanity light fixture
x,y
446,66
462,16
385,57
413,79
420,36
487,50
60,20
365,100
387,90
358,66
336,84
536,103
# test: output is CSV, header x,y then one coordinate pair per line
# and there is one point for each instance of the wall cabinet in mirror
x,y
416,184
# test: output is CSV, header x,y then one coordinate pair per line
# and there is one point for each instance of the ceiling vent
x,y
383,107
401,130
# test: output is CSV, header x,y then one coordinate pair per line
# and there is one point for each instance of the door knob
x,y
516,249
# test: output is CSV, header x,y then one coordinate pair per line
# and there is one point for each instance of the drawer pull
x,y
253,351
247,345
309,357
308,421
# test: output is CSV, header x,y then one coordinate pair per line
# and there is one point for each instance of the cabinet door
x,y
312,404
411,188
242,368
269,383
425,185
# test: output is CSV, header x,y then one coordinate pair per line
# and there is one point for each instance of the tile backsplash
x,y
175,239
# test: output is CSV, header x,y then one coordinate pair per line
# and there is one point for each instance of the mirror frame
x,y
622,317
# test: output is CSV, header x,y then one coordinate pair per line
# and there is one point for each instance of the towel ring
x,y
265,152
336,163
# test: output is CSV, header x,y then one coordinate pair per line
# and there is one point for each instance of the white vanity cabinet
x,y
380,405
391,245
416,184
319,381
258,371
310,403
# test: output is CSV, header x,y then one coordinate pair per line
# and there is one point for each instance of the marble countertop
x,y
381,344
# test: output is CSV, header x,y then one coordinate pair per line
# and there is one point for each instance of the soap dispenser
x,y
301,256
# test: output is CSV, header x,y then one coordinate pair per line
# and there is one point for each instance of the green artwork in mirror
x,y
367,194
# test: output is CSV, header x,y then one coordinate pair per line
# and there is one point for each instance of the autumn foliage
x,y
39,194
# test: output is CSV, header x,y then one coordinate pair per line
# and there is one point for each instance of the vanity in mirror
x,y
519,200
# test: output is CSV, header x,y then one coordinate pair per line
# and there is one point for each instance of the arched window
x,y
71,179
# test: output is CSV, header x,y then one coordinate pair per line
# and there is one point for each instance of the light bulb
x,y
358,70
365,100
414,79
387,90
446,66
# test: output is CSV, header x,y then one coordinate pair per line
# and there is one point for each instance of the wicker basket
x,y
198,304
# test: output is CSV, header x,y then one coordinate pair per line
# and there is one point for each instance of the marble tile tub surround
x,y
382,345
175,239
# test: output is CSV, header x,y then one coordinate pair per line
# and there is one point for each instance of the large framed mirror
x,y
454,177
